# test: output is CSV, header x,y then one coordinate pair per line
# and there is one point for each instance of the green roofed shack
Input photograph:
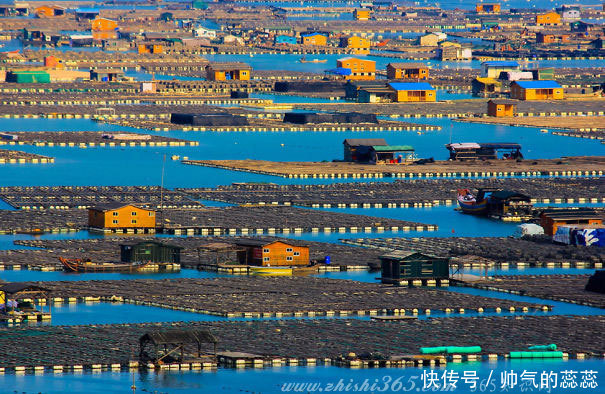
x,y
376,150
28,77
409,265
155,252
393,153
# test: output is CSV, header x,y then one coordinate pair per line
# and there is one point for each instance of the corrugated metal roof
x,y
12,288
509,194
116,205
393,148
402,254
411,86
365,142
87,11
312,34
177,337
229,66
503,102
339,71
269,241
407,65
538,84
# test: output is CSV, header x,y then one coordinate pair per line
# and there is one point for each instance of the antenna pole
x,y
162,193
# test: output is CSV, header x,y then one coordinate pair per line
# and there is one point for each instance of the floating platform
x,y
393,318
569,166
293,342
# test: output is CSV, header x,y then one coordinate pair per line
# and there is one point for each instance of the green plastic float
x,y
550,354
450,349
552,346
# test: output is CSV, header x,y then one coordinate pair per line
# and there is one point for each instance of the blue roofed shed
x,y
284,39
536,90
341,71
538,84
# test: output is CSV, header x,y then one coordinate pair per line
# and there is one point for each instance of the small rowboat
x,y
80,265
304,60
271,271
35,231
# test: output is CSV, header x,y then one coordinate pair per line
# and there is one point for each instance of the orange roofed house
x,y
228,71
358,45
49,11
501,108
536,90
407,71
104,24
360,69
488,8
362,14
550,18
272,253
318,39
121,216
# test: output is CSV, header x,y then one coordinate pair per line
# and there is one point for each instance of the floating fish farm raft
x,y
63,197
348,343
218,221
493,251
568,166
575,123
343,257
18,157
466,108
393,194
564,288
253,296
89,139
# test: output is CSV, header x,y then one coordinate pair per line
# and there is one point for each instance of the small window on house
x,y
115,214
151,213
114,221
265,258
289,250
296,253
133,221
265,250
133,213
289,258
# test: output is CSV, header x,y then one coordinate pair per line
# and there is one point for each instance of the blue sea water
x,y
123,166
142,165
289,62
278,380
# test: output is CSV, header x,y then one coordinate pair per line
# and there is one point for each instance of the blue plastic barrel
x,y
327,260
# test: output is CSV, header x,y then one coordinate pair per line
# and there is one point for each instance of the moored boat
x,y
80,265
304,60
271,271
306,270
35,231
471,204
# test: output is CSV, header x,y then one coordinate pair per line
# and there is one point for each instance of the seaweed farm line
x,y
444,170
97,344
